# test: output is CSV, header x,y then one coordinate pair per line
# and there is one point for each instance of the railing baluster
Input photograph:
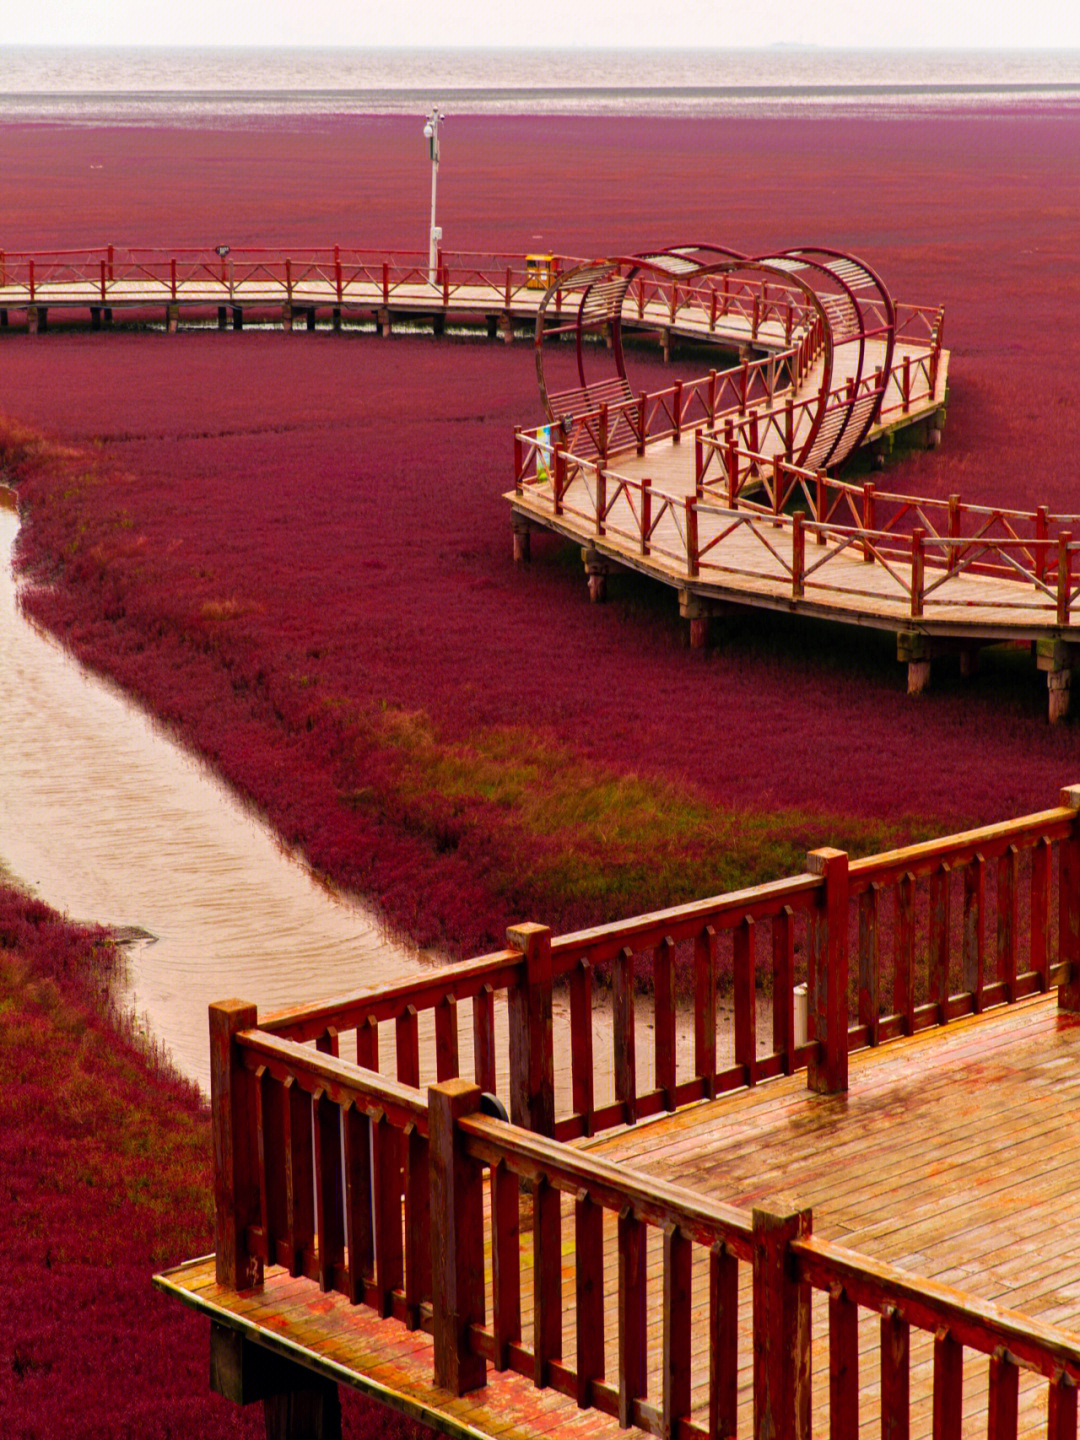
x,y
633,1347
299,1175
870,963
446,1038
895,1375
330,1222
1006,920
974,961
1061,1409
1003,1397
705,1008
843,1366
783,976
582,1076
407,1041
547,1279
1039,954
387,1189
904,959
939,940
484,1039
745,998
664,1016
505,1262
359,1232
948,1386
417,1192
678,1260
625,1058
589,1295
723,1343
273,1217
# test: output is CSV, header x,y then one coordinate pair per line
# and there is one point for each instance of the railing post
x,y
646,514
732,476
699,464
457,1238
868,512
112,262
236,1184
519,461
558,479
918,564
1042,516
1064,577
601,500
781,1327
954,531
798,554
532,1064
677,407
691,536
827,1072
602,425
641,405
1069,904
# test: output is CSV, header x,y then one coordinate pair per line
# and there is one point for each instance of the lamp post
x,y
431,134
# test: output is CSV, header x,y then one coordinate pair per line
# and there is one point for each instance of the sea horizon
x,y
92,83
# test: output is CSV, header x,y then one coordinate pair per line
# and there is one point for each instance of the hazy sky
x,y
1053,24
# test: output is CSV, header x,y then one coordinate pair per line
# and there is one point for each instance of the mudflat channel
x,y
108,820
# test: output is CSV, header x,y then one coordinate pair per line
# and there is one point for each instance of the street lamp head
x,y
428,131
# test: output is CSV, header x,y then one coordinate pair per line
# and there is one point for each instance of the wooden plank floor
x,y
953,1155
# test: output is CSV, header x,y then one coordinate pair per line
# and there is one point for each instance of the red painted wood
x,y
1069,913
417,1195
938,957
948,1386
484,1039
547,1279
1039,927
330,1221
783,970
870,963
633,1329
724,1343
581,1043
904,953
675,1380
895,1376
1003,1398
359,1228
387,1189
457,1238
299,1175
506,1263
446,1039
367,1044
407,1041
974,955
705,1008
745,1000
827,1072
1006,919
623,1035
1061,1410
843,1366
782,1329
589,1296
664,1016
232,1099
273,1214
532,1066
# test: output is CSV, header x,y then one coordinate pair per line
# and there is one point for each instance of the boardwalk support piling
x,y
236,1171
1055,657
913,650
457,1238
522,541
298,1404
597,570
781,1326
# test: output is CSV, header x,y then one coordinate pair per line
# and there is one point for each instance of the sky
x,y
908,24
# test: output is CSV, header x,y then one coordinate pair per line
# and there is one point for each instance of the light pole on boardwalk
x,y
431,134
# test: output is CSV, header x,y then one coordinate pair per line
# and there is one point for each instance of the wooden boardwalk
x,y
952,1156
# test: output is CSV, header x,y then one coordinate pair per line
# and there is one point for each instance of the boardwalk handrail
x,y
934,929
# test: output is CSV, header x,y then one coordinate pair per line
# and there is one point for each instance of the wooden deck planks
x,y
952,1155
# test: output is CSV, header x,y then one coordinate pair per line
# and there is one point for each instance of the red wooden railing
x,y
375,1190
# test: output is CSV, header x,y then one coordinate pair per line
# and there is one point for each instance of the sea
x,y
149,85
